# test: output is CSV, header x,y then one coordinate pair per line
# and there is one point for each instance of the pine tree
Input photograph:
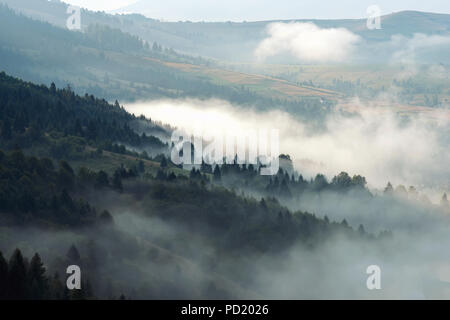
x,y
117,181
106,218
217,176
101,179
263,204
3,276
389,189
204,167
444,201
37,279
56,288
141,166
171,177
163,162
17,277
361,230
280,217
73,256
192,173
284,189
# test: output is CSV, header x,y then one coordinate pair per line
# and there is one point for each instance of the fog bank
x,y
373,142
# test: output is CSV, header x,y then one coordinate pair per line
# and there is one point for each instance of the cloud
x,y
411,52
407,48
374,142
307,42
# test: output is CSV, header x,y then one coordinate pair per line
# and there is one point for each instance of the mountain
x,y
117,65
77,202
31,112
233,41
108,58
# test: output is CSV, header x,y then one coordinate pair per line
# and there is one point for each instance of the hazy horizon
x,y
201,10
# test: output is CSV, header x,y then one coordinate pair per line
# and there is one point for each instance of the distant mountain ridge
x,y
110,63
229,40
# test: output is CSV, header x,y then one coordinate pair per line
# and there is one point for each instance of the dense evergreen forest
x,y
24,279
36,194
59,120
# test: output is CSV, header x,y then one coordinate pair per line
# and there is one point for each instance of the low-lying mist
x,y
374,142
144,257
148,254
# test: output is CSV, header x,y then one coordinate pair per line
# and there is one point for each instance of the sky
x,y
254,10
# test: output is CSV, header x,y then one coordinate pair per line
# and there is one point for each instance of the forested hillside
x,y
38,193
125,68
60,121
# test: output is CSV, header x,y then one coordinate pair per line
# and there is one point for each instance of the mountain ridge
x,y
220,39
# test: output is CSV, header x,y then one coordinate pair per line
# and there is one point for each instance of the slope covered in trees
x,y
34,114
35,194
24,279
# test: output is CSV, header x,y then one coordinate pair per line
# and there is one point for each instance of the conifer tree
x,y
217,176
444,201
17,277
73,256
36,279
3,276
